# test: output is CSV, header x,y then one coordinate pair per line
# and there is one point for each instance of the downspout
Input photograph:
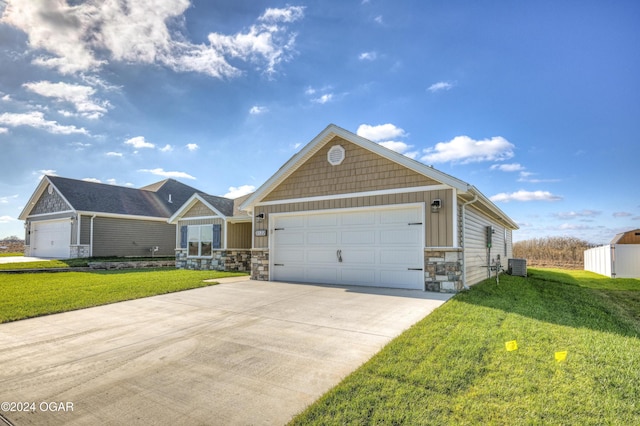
x,y
91,237
464,251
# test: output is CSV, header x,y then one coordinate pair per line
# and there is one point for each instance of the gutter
x,y
91,237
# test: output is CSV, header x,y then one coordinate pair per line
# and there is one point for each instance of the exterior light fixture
x,y
260,217
436,205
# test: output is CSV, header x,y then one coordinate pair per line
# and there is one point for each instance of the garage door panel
x,y
362,257
323,220
322,275
51,238
358,276
400,216
328,256
359,218
406,236
290,238
398,257
291,222
322,238
378,247
289,256
358,237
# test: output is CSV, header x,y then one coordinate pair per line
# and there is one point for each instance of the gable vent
x,y
335,155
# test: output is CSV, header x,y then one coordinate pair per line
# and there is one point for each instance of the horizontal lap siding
x,y
438,229
475,245
126,237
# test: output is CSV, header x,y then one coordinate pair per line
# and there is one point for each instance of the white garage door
x,y
373,247
51,239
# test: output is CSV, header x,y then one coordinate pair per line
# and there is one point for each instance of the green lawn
x,y
30,295
454,368
73,263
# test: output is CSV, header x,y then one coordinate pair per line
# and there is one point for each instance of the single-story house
x,y
212,233
618,259
69,218
346,210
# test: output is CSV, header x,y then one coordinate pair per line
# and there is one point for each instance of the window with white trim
x,y
200,240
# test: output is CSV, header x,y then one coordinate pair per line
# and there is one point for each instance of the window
x,y
202,239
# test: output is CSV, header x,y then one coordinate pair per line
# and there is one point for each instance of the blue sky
x,y
535,103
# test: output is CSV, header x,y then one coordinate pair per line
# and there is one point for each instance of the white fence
x,y
614,261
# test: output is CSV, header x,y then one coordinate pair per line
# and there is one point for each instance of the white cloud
x,y
378,19
288,14
3,130
440,86
235,192
113,154
161,172
6,98
327,97
86,35
166,148
78,95
622,214
399,147
192,146
515,167
368,56
139,142
525,196
94,180
465,150
380,132
5,200
6,219
36,120
574,215
256,110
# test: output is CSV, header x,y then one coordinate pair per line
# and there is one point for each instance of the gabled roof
x,y
331,131
325,136
221,206
160,200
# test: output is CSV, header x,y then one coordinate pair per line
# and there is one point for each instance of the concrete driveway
x,y
237,353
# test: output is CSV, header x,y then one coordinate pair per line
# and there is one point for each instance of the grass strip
x,y
453,367
31,295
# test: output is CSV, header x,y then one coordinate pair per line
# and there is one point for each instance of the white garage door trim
x,y
380,246
51,238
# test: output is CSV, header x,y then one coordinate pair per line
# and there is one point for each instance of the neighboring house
x,y
212,233
68,218
618,259
346,210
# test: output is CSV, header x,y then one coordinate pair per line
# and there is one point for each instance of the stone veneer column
x,y
260,265
443,270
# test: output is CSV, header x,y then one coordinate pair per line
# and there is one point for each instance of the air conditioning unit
x,y
517,267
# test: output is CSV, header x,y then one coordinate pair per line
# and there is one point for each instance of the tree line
x,y
560,252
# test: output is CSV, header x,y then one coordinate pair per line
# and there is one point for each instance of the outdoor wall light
x,y
436,205
260,217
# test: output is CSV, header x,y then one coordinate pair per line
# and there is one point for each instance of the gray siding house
x,y
69,218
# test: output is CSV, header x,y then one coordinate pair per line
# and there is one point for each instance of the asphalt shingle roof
x,y
161,199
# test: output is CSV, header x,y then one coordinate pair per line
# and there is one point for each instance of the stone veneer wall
x,y
222,260
260,265
443,270
80,251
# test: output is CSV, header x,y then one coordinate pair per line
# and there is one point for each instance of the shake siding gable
x,y
199,210
361,171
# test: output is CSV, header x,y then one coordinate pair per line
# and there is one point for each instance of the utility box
x,y
489,234
517,267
